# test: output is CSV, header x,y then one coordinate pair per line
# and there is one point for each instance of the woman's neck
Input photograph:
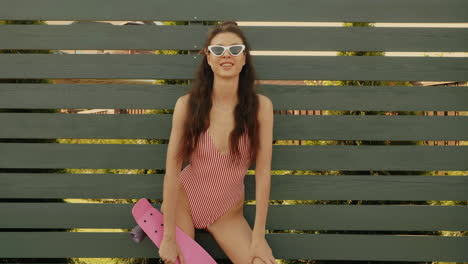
x,y
225,91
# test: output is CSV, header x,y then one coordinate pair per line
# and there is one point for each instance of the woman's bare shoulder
x,y
184,98
180,110
264,103
182,102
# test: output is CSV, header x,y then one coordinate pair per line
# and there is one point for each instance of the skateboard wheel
x,y
137,234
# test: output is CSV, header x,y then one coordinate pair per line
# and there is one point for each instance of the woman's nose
x,y
226,53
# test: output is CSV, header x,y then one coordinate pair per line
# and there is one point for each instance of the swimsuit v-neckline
x,y
214,144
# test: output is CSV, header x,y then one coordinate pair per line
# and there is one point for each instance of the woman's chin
x,y
227,74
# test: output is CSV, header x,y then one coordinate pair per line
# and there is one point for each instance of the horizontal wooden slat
x,y
309,157
298,97
291,187
284,246
105,37
324,11
280,217
283,187
142,96
338,127
145,66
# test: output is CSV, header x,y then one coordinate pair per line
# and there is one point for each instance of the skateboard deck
x,y
151,221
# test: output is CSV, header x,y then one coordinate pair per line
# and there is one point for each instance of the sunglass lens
x,y
236,50
217,50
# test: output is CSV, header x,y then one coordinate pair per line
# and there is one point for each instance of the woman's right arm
x,y
173,168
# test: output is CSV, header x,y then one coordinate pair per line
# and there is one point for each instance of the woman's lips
x,y
227,66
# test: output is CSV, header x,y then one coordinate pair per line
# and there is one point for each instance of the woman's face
x,y
226,39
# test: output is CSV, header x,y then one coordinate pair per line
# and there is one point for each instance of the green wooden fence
x,y
32,228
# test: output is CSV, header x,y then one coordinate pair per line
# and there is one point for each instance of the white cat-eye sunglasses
x,y
218,50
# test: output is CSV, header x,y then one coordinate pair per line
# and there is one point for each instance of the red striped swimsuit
x,y
212,181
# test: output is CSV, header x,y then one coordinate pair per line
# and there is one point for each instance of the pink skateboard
x,y
150,221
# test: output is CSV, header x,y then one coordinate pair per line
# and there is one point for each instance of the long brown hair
x,y
200,101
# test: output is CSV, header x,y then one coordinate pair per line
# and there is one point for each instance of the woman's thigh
x,y
183,217
234,236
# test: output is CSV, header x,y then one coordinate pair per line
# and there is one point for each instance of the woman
x,y
221,126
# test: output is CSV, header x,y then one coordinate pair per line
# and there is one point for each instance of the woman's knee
x,y
258,261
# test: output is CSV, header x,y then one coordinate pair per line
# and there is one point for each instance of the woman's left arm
x,y
263,166
259,246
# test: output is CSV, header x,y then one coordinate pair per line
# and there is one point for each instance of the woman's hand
x,y
169,251
259,248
